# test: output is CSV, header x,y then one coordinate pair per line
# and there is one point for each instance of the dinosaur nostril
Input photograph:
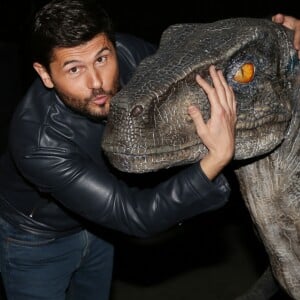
x,y
136,111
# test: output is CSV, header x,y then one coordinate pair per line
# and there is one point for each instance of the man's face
x,y
86,76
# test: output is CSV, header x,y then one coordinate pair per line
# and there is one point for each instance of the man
x,y
55,184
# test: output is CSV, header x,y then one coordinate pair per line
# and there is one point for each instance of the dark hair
x,y
67,23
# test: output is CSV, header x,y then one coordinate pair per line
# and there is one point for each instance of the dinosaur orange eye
x,y
245,73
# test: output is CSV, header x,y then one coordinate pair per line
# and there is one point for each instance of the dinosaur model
x,y
149,128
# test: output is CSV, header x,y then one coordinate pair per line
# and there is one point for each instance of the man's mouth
x,y
101,99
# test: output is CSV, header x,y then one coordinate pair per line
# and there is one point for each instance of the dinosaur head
x,y
149,128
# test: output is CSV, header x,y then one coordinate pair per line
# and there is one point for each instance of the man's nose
x,y
95,80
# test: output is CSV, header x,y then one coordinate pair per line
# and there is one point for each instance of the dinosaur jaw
x,y
143,163
141,159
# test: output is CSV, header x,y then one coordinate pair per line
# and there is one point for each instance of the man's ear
x,y
46,78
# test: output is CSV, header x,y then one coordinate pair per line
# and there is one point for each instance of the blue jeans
x,y
33,267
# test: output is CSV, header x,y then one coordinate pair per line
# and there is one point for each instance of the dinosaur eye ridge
x,y
245,73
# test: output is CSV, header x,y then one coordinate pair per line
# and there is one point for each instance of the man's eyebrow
x,y
102,50
76,61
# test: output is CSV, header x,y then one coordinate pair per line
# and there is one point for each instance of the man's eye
x,y
245,73
102,59
73,70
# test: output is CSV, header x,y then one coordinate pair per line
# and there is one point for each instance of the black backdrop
x,y
149,18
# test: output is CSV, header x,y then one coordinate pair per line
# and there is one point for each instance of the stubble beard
x,y
86,106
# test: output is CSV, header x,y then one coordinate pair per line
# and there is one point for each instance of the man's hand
x,y
218,133
291,23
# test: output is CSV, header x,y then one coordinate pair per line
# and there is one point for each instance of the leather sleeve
x,y
100,197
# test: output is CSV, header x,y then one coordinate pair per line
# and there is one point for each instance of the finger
x,y
278,18
225,95
204,84
211,94
196,116
219,89
217,82
228,92
208,88
234,104
287,21
216,93
227,99
230,95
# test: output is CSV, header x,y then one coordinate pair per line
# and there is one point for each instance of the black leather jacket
x,y
54,175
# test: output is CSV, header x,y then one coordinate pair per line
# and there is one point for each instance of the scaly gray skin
x,y
149,128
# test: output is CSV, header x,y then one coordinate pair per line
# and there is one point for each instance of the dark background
x,y
213,256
